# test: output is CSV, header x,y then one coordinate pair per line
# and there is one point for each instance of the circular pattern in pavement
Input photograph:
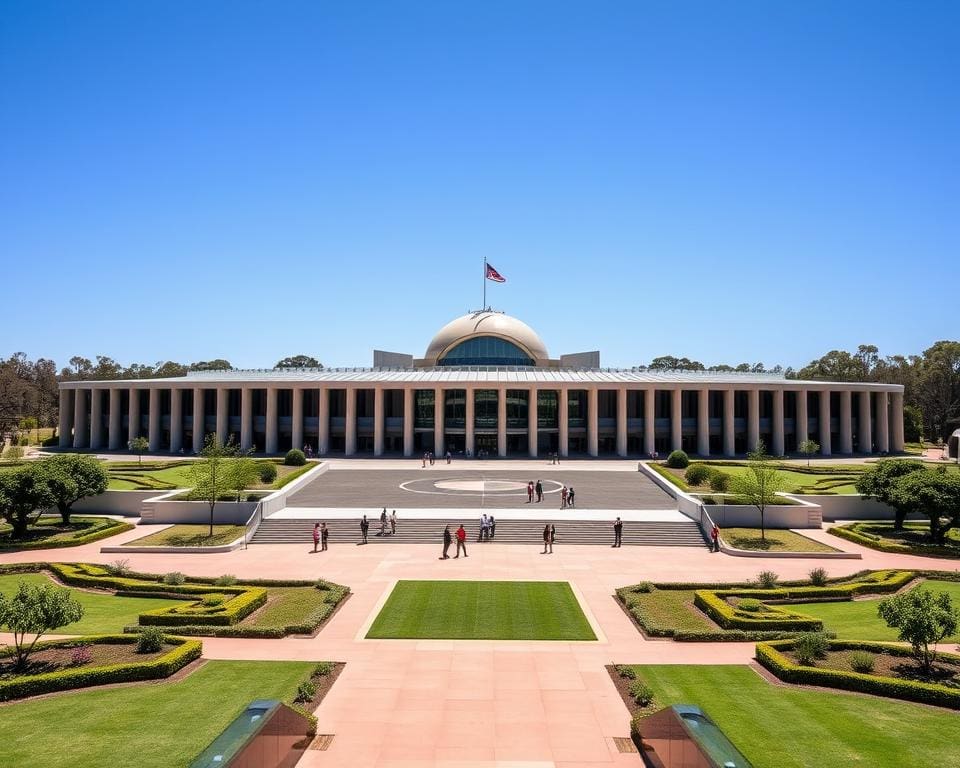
x,y
472,486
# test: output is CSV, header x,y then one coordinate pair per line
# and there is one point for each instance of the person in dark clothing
x,y
447,540
316,536
364,527
553,536
617,532
324,533
546,538
570,497
530,492
461,542
539,489
492,526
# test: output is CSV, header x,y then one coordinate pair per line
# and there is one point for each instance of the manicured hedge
x,y
853,532
774,619
247,600
770,656
236,630
108,528
83,677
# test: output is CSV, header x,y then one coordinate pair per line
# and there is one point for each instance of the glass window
x,y
485,409
454,408
485,350
547,408
517,400
423,408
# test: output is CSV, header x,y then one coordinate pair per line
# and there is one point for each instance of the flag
x,y
492,274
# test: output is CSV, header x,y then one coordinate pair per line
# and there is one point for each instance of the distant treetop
x,y
299,361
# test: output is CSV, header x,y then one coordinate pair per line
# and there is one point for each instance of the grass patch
x,y
912,539
797,478
50,532
163,725
482,610
776,540
664,612
778,727
104,613
190,536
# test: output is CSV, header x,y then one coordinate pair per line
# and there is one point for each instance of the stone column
x,y
826,448
66,418
703,421
469,421
439,440
778,422
223,414
883,423
563,422
622,422
246,418
350,423
846,422
533,426
323,421
96,419
502,423
753,419
729,428
896,427
81,429
133,414
296,418
176,420
114,429
801,420
379,423
271,428
409,421
864,427
676,419
153,423
199,420
649,421
593,423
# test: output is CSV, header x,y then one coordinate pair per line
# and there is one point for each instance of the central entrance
x,y
486,443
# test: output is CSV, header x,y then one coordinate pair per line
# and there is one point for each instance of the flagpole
x,y
484,306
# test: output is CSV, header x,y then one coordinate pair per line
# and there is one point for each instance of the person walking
x,y
483,527
530,492
316,536
492,526
617,532
383,522
364,527
447,539
563,497
461,542
570,496
324,533
546,538
715,538
393,522
539,489
553,536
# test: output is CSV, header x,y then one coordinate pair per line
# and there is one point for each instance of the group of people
x,y
388,525
461,537
567,495
488,527
429,458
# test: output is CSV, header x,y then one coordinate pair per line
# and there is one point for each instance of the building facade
x,y
485,385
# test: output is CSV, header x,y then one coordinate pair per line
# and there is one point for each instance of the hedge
x,y
853,533
233,611
235,630
774,619
770,656
83,677
112,528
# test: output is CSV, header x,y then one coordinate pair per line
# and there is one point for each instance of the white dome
x,y
495,324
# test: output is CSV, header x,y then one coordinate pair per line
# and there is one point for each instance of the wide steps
x,y
429,531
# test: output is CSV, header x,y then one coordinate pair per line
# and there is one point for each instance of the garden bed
x,y
911,540
49,532
189,536
775,540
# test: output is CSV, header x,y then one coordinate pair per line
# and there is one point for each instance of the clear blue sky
x,y
730,181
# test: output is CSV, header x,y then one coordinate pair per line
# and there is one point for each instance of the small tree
x,y
760,483
13,454
878,482
72,477
33,611
139,445
808,448
211,473
23,492
923,620
242,472
934,493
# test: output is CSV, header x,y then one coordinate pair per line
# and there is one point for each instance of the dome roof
x,y
486,323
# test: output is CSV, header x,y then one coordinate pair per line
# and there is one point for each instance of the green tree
x,y
760,483
808,448
33,611
242,472
211,365
299,361
211,472
912,423
923,620
23,492
933,493
71,477
138,445
877,483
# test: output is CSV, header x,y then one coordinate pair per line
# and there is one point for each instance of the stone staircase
x,y
529,532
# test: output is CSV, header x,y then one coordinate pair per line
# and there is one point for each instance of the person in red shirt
x,y
316,536
461,542
715,537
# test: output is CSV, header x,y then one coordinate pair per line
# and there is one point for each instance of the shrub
x,y
678,460
811,646
227,580
322,669
322,585
627,673
150,640
697,474
818,577
294,458
641,693
305,692
81,655
749,604
268,473
174,578
719,482
861,661
212,601
767,579
642,588
119,567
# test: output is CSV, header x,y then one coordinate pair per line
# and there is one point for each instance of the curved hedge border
x,y
110,528
83,677
852,532
770,656
727,616
247,600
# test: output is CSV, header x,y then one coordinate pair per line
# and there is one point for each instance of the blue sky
x,y
741,181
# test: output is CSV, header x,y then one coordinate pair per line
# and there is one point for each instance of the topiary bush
x,y
150,640
818,577
697,474
267,472
295,458
678,460
719,481
749,604
862,662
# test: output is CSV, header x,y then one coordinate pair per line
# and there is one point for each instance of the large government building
x,y
486,385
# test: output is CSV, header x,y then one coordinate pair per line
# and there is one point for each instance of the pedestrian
x,y
553,536
316,536
715,537
529,491
364,527
423,462
383,522
324,534
492,526
483,527
448,457
617,532
461,542
539,490
447,538
570,496
563,497
393,522
546,538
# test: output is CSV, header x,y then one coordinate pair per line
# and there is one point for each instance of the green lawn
x,y
834,479
147,726
189,536
103,613
783,727
775,540
482,610
129,477
858,620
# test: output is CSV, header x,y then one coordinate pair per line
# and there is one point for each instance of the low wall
x,y
850,507
278,499
125,503
739,516
159,511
